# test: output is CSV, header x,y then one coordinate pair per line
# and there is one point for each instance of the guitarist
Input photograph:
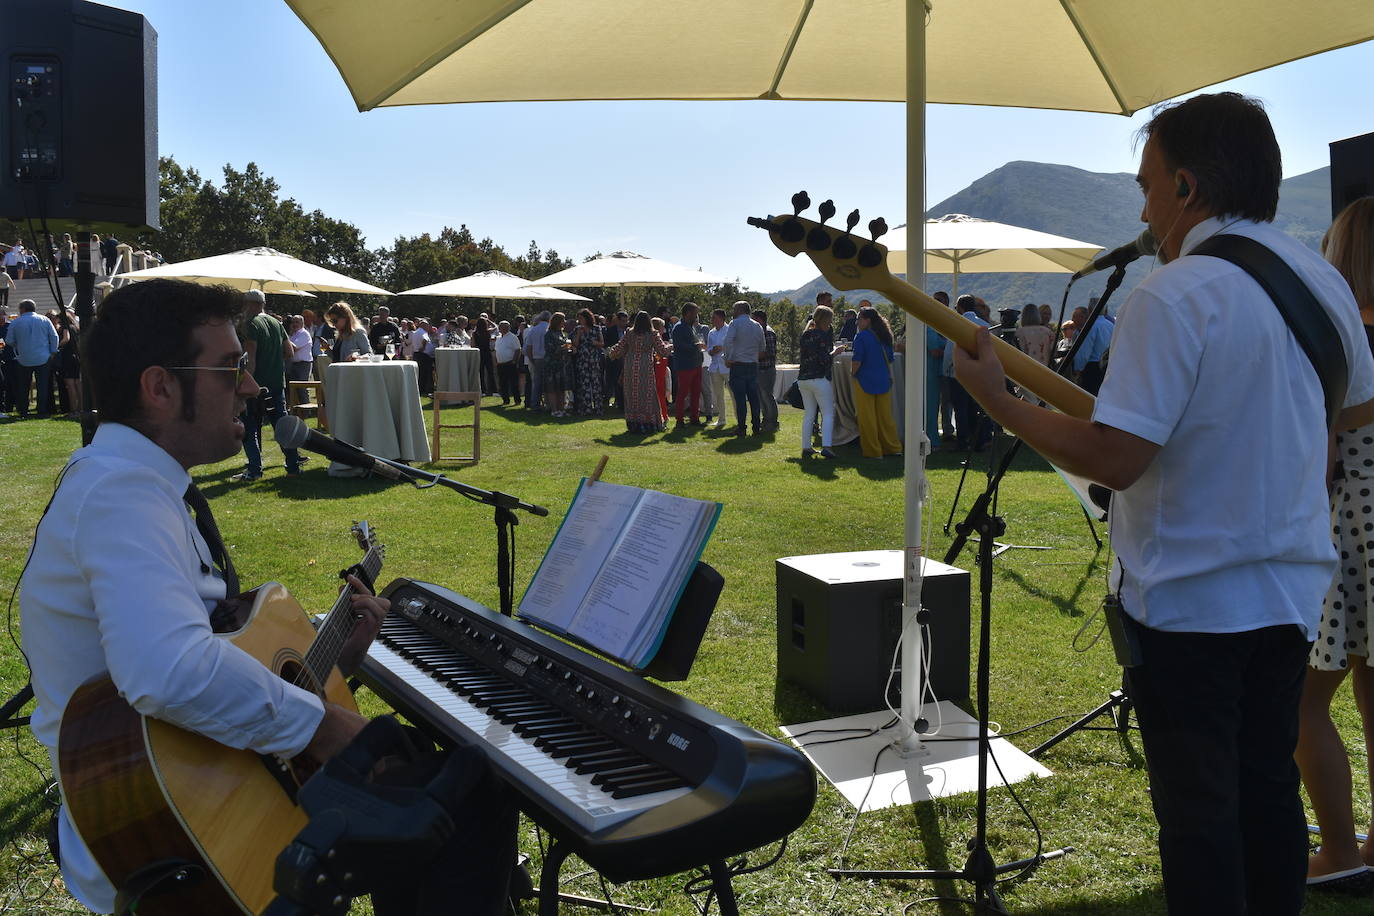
x,y
121,580
1224,552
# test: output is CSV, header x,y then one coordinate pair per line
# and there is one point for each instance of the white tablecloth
x,y
846,414
376,406
787,374
457,369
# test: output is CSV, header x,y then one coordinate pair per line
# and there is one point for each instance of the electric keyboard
x,y
636,780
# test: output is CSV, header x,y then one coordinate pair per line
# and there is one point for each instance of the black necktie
x,y
205,523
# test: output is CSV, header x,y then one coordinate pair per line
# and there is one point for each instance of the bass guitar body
x,y
151,800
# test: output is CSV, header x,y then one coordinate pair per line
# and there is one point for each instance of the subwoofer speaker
x,y
1352,171
839,619
78,128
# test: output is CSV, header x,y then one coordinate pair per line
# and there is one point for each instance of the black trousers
x,y
972,428
471,874
487,373
1219,720
509,376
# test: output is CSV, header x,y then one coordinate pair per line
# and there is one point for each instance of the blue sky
x,y
246,81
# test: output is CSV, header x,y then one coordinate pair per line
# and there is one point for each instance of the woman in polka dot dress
x,y
1342,643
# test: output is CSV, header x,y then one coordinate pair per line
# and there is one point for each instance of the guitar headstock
x,y
367,537
845,260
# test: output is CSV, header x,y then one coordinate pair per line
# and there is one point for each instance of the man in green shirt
x,y
264,340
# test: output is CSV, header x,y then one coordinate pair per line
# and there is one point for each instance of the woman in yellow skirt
x,y
872,368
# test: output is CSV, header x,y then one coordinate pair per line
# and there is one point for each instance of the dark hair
x,y
720,312
760,314
641,325
144,324
587,318
1030,315
964,303
877,324
1225,139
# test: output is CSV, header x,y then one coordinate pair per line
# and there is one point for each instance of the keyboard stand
x,y
550,896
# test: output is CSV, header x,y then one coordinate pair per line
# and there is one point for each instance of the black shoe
x,y
827,453
808,452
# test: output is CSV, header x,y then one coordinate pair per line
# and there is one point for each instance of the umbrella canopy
x,y
625,268
961,244
1062,54
258,268
492,284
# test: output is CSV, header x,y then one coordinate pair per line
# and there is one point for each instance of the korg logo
x,y
678,742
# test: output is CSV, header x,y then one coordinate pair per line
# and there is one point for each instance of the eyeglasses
x,y
239,370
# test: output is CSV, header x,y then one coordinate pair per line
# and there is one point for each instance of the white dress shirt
x,y
1228,529
716,338
116,583
507,345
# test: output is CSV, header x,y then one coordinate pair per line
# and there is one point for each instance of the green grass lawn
x,y
296,531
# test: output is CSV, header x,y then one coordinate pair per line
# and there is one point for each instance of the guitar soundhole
x,y
291,669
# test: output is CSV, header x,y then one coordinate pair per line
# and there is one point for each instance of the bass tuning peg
x,y
800,201
852,220
826,210
877,228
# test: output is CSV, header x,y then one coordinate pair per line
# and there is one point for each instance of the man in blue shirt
x,y
33,340
686,363
1087,362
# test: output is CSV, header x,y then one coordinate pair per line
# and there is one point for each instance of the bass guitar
x,y
178,822
849,262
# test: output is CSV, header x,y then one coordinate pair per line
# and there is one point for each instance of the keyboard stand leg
x,y
550,897
725,891
548,879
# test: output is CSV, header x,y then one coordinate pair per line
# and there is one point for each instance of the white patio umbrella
x,y
625,268
1061,54
958,244
259,268
492,284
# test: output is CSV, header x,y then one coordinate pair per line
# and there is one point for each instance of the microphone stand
x,y
504,505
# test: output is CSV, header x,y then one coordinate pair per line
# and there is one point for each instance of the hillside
x,y
1094,207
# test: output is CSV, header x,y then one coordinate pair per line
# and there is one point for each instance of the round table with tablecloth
x,y
376,406
457,369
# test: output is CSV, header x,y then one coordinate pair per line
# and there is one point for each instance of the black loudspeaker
x,y
78,128
839,618
1352,171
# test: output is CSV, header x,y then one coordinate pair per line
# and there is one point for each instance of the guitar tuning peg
x,y
852,220
827,210
800,201
877,228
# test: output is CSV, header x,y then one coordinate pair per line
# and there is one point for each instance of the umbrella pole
x,y
980,870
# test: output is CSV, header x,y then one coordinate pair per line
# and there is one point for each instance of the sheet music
x,y
615,570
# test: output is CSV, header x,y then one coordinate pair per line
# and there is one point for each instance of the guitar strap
x,y
205,523
1306,318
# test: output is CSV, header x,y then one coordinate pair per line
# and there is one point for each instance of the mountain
x,y
1094,207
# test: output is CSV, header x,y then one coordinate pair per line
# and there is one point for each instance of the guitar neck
x,y
323,654
1056,390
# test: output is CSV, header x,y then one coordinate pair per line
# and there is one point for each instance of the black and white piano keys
x,y
637,781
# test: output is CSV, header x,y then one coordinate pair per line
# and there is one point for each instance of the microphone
x,y
1144,244
291,432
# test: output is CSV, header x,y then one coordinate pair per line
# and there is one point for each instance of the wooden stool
x,y
439,398
306,410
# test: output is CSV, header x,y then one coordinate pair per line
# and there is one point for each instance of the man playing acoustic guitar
x,y
123,580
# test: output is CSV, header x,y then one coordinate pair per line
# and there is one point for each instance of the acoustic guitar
x,y
196,823
849,262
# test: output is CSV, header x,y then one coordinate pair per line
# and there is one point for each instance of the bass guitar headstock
x,y
845,260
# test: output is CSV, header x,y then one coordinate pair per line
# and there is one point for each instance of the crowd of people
x,y
954,420
40,365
